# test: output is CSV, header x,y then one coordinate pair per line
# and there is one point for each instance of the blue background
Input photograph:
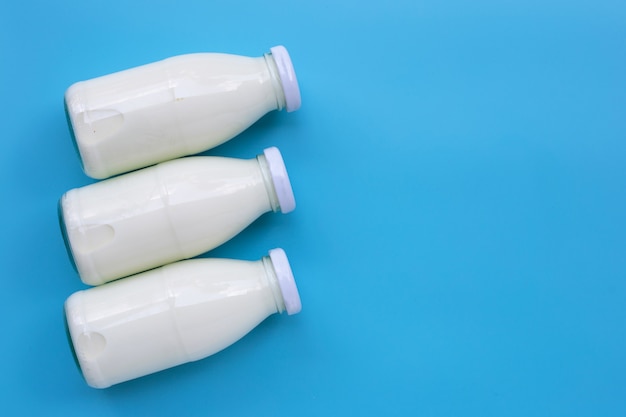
x,y
460,235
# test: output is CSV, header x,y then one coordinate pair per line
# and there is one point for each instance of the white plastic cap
x,y
287,78
282,185
286,282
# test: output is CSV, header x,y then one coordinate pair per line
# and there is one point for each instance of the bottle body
x,y
161,214
172,315
171,108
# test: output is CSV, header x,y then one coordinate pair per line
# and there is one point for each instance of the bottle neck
x,y
275,79
269,183
272,280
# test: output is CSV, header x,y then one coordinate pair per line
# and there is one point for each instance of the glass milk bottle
x,y
171,211
175,107
175,314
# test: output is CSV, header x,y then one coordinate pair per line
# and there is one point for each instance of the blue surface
x,y
460,235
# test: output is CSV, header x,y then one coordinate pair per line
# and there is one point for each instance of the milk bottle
x,y
178,313
175,107
172,211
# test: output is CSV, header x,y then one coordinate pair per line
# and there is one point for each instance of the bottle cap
x,y
287,284
287,78
282,185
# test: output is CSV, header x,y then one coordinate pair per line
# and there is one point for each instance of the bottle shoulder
x,y
196,168
211,63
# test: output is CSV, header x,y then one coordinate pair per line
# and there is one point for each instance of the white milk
x,y
168,212
174,314
175,107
